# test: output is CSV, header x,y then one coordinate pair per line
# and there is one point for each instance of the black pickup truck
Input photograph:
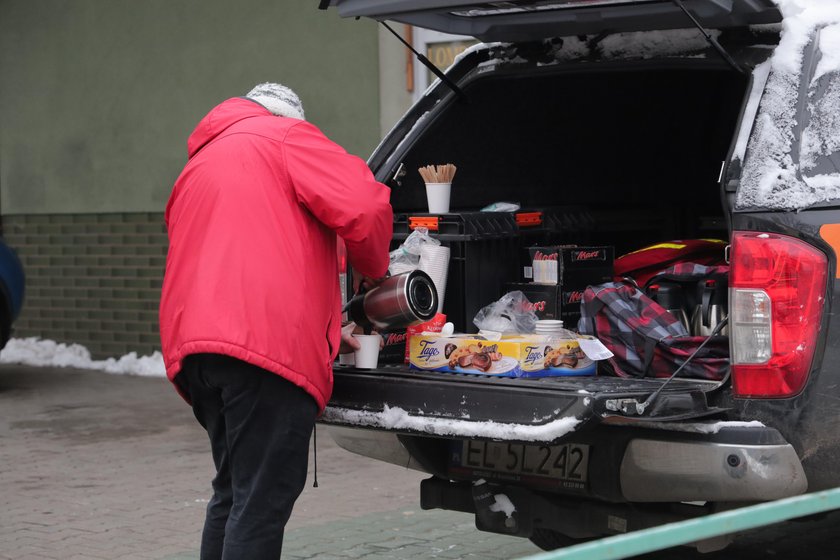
x,y
652,120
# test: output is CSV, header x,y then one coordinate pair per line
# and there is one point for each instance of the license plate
x,y
564,466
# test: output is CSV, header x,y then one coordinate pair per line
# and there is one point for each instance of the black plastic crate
x,y
462,226
555,224
626,229
484,255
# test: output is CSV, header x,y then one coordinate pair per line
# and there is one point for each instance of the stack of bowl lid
x,y
549,326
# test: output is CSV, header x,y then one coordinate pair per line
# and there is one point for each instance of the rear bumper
x,y
686,471
701,462
659,481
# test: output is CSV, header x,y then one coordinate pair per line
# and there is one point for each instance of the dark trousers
x,y
259,426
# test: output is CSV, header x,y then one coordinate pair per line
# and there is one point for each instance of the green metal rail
x,y
684,532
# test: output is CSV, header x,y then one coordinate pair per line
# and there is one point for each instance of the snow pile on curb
x,y
40,353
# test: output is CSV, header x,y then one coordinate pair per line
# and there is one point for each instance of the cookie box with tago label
x,y
547,356
512,356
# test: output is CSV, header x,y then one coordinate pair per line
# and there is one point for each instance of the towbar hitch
x,y
629,407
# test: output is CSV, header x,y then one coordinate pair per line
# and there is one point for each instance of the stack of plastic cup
x,y
549,327
434,261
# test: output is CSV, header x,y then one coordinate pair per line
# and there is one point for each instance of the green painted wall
x,y
91,279
97,97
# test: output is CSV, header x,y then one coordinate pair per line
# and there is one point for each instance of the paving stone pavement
x,y
97,466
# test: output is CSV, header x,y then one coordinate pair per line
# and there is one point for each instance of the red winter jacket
x,y
252,268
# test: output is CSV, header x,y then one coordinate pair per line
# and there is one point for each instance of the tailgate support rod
x,y
711,40
427,63
641,407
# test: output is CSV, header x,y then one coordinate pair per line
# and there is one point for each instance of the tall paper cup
x,y
367,357
437,195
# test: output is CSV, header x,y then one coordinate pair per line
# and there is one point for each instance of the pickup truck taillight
x,y
776,299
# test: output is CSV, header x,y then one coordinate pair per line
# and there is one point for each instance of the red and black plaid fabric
x,y
690,272
646,339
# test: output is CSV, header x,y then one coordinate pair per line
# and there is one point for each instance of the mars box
x,y
568,264
552,301
559,275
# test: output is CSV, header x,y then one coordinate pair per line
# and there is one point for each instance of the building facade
x,y
97,99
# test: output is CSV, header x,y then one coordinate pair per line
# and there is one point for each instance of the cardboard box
x,y
393,352
545,299
570,270
568,264
395,343
516,356
552,301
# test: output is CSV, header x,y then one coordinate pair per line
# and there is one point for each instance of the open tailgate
x,y
531,20
397,399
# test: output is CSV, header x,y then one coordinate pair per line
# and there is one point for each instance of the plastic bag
x,y
501,207
512,313
406,257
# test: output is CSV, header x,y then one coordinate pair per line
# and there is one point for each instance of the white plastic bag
x,y
512,313
406,257
501,207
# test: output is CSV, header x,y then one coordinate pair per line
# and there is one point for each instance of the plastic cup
x,y
434,261
437,195
545,272
367,357
348,359
438,276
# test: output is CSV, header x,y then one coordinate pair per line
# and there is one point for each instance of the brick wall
x,y
92,279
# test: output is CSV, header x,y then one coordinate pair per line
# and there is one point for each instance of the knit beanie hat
x,y
278,99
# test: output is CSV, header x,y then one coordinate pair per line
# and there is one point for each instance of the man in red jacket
x,y
250,316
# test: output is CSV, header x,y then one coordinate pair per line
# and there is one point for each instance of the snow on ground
x,y
38,352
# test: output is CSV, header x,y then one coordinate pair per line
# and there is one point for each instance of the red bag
x,y
643,264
